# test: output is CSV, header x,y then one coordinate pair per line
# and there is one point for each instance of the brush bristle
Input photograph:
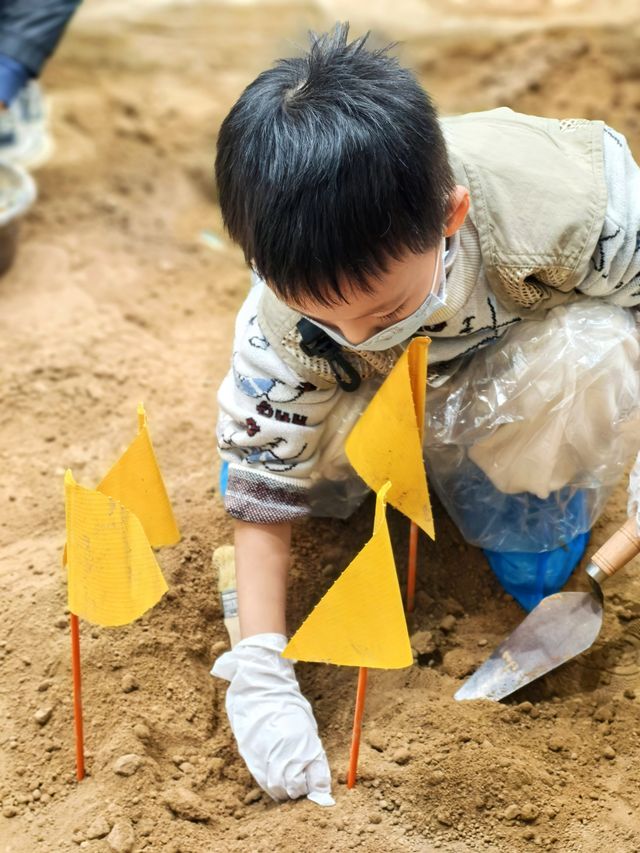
x,y
225,567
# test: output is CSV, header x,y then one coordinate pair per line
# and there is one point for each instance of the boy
x,y
367,220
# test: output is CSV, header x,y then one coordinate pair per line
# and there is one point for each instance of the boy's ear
x,y
458,208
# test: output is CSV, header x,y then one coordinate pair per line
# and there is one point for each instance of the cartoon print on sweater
x,y
599,264
252,427
615,136
267,457
494,330
271,389
264,455
636,277
257,341
467,328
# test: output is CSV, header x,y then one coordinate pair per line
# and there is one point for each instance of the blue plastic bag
x,y
529,577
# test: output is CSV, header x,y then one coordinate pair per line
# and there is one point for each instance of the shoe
x,y
8,129
31,103
24,136
530,577
17,194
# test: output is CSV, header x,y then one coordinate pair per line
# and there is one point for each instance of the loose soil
x,y
116,296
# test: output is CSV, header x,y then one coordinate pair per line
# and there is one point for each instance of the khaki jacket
x,y
538,202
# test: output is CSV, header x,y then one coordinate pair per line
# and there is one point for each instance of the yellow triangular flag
x,y
135,480
385,444
113,576
360,621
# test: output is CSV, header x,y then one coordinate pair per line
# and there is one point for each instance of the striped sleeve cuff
x,y
253,497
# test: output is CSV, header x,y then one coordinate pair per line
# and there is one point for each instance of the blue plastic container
x,y
529,577
532,544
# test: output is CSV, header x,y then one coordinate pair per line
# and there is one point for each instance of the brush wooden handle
x,y
619,549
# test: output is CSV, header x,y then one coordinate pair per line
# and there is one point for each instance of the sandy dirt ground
x,y
115,298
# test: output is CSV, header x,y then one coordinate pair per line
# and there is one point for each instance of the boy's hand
x,y
273,723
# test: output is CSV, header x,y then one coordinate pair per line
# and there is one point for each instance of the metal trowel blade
x,y
559,628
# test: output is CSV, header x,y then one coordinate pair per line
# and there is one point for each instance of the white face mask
x,y
403,329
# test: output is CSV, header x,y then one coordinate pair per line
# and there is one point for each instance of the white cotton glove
x,y
273,723
633,506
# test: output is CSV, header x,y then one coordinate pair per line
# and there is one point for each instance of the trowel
x,y
562,626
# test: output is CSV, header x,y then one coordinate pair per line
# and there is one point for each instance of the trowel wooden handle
x,y
619,549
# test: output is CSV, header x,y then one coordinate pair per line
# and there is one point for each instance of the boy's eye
x,y
392,315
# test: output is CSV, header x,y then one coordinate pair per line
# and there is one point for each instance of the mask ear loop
x,y
439,259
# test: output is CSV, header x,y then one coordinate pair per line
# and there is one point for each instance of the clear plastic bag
x,y
526,438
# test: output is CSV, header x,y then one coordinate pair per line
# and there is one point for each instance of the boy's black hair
x,y
329,165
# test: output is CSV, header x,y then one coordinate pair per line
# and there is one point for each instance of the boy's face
x,y
395,294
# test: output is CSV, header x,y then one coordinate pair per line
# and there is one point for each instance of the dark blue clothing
x,y
29,33
13,76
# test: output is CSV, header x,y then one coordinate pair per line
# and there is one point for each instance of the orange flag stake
x,y
357,727
77,697
418,378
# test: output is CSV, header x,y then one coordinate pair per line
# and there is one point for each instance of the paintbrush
x,y
224,566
